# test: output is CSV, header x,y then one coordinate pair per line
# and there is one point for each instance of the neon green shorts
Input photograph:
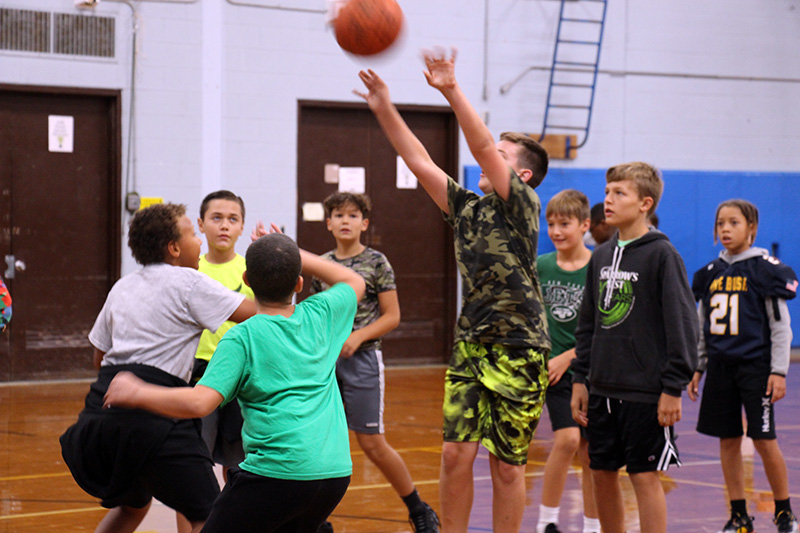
x,y
494,395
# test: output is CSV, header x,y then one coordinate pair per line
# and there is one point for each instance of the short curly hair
x,y
273,267
152,229
339,200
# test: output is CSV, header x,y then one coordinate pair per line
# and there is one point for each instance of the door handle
x,y
13,265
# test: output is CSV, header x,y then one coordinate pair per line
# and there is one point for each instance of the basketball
x,y
368,27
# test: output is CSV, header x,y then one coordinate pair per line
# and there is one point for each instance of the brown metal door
x,y
405,223
60,225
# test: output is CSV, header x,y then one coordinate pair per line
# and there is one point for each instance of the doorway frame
x,y
453,284
115,159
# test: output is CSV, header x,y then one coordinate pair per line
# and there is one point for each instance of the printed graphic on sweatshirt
x,y
616,299
564,299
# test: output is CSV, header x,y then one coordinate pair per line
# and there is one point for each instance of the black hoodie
x,y
636,337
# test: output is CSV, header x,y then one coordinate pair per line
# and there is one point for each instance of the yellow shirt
x,y
230,275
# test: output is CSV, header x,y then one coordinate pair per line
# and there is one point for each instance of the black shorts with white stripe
x,y
623,433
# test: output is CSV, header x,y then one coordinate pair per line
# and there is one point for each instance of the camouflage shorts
x,y
494,394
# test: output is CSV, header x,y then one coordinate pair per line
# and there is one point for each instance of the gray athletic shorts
x,y
362,385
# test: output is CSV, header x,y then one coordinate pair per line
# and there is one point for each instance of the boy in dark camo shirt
x,y
359,369
495,384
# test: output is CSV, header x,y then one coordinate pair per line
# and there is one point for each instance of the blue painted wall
x,y
686,211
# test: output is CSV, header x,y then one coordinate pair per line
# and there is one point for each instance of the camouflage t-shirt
x,y
496,243
379,277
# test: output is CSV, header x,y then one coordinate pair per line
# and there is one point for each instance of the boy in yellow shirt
x,y
222,222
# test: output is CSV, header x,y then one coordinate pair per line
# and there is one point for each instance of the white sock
x,y
547,515
591,525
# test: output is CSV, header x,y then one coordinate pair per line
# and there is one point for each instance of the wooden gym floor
x,y
37,493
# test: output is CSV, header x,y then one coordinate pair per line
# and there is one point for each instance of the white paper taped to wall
x,y
352,179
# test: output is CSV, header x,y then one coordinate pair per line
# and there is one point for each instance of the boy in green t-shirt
x,y
222,222
563,277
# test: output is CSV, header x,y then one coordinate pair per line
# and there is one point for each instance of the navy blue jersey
x,y
736,324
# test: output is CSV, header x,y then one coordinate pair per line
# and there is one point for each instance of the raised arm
x,y
332,273
441,75
432,178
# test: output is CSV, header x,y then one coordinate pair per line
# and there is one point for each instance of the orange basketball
x,y
368,27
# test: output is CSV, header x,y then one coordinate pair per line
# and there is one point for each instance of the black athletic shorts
x,y
728,387
628,433
557,399
179,474
250,503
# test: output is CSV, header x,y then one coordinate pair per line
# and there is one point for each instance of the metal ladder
x,y
573,74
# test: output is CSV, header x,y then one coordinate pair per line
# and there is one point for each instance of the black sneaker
x,y
786,522
738,524
425,520
551,528
325,527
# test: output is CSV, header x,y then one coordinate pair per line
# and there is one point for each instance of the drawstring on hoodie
x,y
612,277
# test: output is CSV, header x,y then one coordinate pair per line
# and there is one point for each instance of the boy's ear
x,y
200,225
364,224
525,174
585,225
299,285
173,252
244,278
328,223
647,203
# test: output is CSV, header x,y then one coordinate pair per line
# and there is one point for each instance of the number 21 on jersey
x,y
724,305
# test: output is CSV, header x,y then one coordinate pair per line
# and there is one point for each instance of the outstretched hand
x,y
441,70
378,91
260,230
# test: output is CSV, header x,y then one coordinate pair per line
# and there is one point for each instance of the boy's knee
x,y
509,474
604,478
766,446
372,445
457,455
568,442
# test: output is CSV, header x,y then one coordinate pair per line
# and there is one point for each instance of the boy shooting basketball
x,y
495,384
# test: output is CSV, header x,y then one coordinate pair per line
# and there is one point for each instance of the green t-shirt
x,y
495,243
563,293
230,275
283,373
378,275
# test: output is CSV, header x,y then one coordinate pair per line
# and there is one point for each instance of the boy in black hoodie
x,y
636,345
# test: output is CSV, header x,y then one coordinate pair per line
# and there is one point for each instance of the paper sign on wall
x,y
352,179
60,133
331,173
313,212
405,178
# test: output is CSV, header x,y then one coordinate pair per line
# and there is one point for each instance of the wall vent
x,y
24,30
83,36
57,33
